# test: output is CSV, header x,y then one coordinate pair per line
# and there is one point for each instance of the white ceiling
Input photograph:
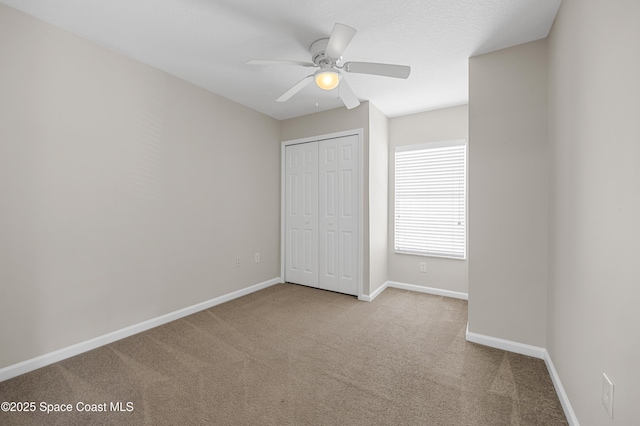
x,y
208,43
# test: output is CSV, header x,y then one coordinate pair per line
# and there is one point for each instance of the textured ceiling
x,y
208,43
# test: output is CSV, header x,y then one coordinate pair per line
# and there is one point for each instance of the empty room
x,y
319,213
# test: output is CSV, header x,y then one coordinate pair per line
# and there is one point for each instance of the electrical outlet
x,y
607,394
423,266
237,262
257,257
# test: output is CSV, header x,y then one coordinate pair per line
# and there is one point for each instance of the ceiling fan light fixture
x,y
326,54
327,79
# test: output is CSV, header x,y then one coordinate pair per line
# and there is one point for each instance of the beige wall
x,y
125,193
508,194
324,122
430,126
332,121
594,132
378,197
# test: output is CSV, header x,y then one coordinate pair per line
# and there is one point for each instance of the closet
x,y
321,218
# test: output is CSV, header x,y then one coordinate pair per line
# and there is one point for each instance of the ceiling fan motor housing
x,y
318,56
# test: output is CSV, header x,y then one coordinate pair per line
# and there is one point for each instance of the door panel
x,y
328,170
346,266
348,214
338,214
301,215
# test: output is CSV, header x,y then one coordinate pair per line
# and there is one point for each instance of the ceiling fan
x,y
326,55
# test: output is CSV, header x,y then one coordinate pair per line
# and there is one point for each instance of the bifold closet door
x,y
338,219
321,214
301,214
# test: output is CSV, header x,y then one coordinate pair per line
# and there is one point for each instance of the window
x,y
430,199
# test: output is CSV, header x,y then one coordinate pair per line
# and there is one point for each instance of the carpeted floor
x,y
292,355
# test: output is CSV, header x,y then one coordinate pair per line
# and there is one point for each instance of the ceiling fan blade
x,y
387,70
346,94
295,89
278,62
340,38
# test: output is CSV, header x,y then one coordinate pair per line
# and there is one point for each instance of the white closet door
x,y
338,222
329,219
301,221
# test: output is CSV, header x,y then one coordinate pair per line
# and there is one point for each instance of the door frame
x,y
355,132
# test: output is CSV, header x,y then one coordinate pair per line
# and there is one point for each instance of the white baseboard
x,y
372,296
562,395
413,287
429,290
505,345
532,351
64,353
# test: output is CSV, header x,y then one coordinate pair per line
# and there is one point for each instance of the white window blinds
x,y
430,199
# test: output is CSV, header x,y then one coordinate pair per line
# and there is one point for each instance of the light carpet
x,y
293,355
